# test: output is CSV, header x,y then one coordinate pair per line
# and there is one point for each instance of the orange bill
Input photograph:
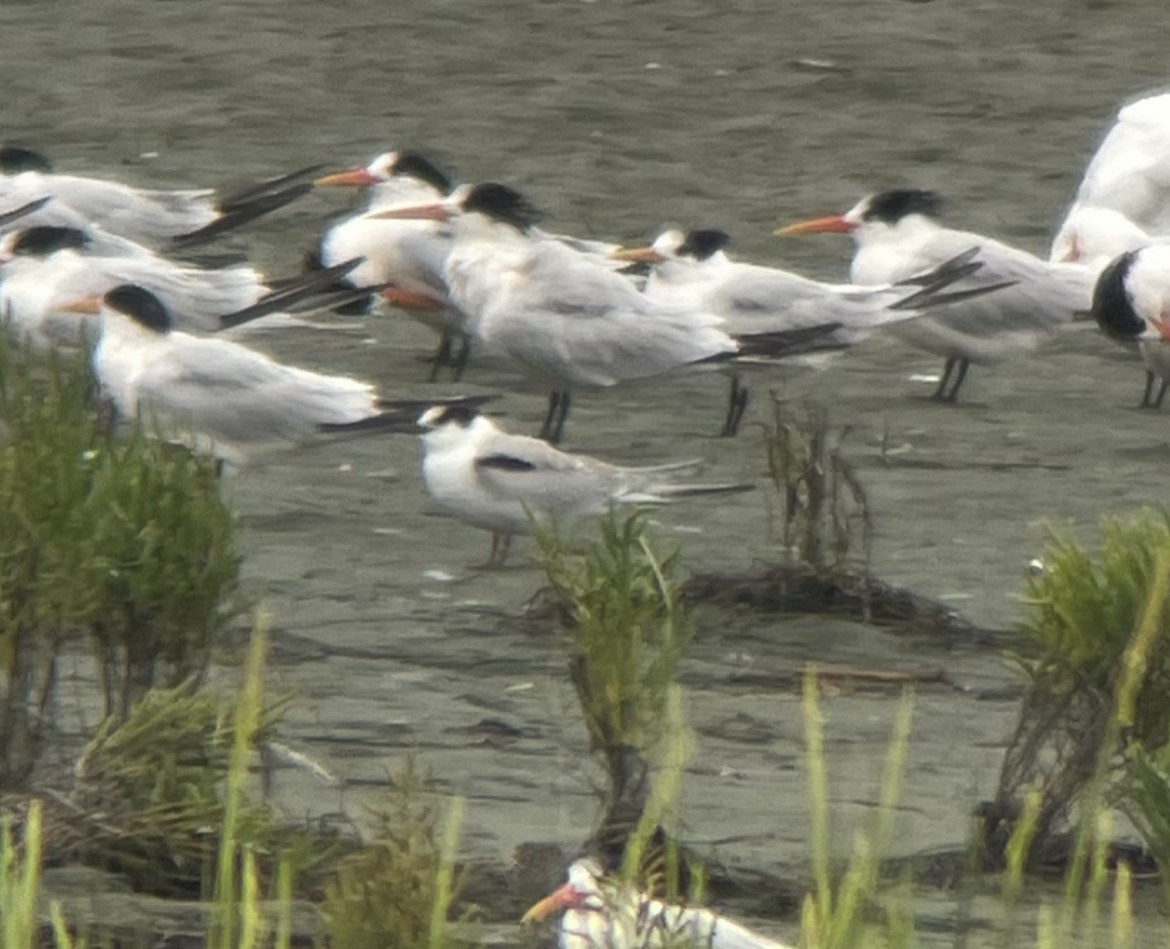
x,y
87,306
830,224
353,178
564,898
419,212
409,299
637,255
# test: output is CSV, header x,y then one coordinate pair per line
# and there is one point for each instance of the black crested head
x,y
140,305
703,244
417,165
503,204
461,415
15,159
45,239
1112,307
891,206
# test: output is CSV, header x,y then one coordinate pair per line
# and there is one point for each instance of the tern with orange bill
x,y
217,395
693,266
559,314
43,267
154,217
404,256
898,234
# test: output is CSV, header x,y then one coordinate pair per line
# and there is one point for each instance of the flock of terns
x,y
472,262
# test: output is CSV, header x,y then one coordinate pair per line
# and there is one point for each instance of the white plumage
x,y
497,481
897,236
1128,175
601,915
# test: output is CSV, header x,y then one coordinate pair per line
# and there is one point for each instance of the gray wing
x,y
531,472
1044,294
234,394
759,300
568,317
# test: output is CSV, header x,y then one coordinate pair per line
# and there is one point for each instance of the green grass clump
x,y
121,539
630,631
396,892
1095,722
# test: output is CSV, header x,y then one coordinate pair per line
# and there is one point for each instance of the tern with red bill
x,y
602,914
898,235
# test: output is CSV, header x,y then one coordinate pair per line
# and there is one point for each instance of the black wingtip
x,y
8,217
402,423
238,200
242,215
793,342
290,293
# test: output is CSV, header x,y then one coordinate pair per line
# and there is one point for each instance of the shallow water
x,y
618,117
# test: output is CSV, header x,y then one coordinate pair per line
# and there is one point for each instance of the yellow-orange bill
x,y
87,306
637,255
353,178
830,224
558,900
420,212
409,299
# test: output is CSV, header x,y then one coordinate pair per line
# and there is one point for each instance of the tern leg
x,y
459,362
442,356
1148,391
501,546
562,416
737,403
554,400
964,365
948,368
1148,399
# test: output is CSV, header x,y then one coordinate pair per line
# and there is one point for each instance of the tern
x,y
149,216
499,482
216,394
693,266
557,313
599,914
1125,191
44,267
406,257
1131,304
898,235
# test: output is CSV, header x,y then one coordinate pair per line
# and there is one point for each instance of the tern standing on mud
x,y
559,314
497,481
898,235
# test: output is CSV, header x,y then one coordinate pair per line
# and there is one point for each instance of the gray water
x,y
618,117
